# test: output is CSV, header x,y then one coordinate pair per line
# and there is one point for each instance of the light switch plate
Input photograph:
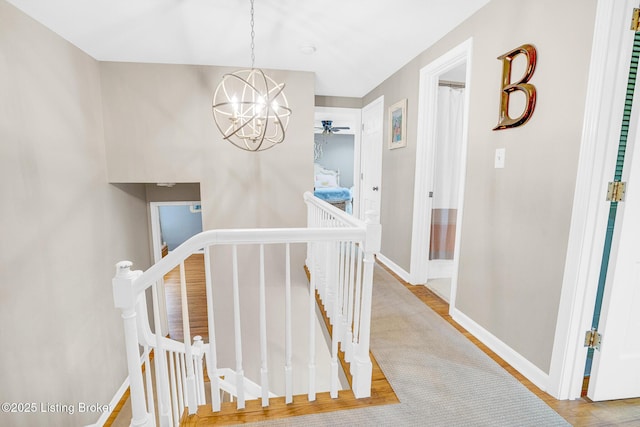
x,y
499,159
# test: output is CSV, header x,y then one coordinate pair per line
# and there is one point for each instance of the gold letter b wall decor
x,y
529,90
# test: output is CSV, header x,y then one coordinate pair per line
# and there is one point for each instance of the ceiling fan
x,y
328,128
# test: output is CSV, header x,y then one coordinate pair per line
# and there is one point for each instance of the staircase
x,y
339,255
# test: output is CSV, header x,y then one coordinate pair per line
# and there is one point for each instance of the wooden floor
x,y
381,391
196,299
580,412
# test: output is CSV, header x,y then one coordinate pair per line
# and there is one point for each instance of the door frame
x,y
604,106
156,247
353,118
426,142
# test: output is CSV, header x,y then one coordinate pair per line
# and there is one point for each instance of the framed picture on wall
x,y
398,125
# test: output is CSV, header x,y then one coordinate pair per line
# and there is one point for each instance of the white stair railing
x,y
340,252
344,272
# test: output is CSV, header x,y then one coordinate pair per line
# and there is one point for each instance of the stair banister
x,y
125,299
240,237
340,259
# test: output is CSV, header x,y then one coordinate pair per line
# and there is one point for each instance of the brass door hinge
x,y
592,339
615,191
635,20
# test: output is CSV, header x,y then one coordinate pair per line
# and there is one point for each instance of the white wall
x,y
62,228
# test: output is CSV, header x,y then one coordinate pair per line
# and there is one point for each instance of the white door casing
x,y
371,158
426,142
604,106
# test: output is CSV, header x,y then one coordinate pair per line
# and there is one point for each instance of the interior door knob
x,y
375,188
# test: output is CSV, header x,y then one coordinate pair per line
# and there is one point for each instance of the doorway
x,y
176,215
440,171
337,156
366,129
172,223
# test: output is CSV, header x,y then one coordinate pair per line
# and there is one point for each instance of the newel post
x,y
124,298
362,362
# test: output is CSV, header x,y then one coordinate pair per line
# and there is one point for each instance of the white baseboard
x,y
394,267
114,401
509,355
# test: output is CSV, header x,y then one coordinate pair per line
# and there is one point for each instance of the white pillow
x,y
323,180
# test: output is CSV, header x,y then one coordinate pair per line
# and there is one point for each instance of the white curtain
x,y
447,172
448,147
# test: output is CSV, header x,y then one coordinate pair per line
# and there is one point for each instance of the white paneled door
x,y
616,366
371,158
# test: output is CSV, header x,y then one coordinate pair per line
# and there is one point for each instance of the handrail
x,y
340,260
344,217
241,237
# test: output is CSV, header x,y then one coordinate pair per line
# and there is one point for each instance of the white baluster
x,y
160,362
149,383
312,332
334,285
212,360
192,402
349,301
174,391
358,292
183,376
287,320
198,359
125,299
334,365
237,330
340,311
179,383
264,371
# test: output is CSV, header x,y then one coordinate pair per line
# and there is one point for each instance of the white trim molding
x,y
509,355
604,106
114,402
426,137
402,273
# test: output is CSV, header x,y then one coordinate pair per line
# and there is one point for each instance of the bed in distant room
x,y
327,187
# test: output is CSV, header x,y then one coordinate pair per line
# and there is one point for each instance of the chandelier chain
x,y
253,35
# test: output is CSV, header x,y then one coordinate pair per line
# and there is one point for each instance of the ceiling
x,y
358,43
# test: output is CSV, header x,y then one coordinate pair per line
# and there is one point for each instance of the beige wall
x,y
63,228
185,192
338,102
159,128
516,220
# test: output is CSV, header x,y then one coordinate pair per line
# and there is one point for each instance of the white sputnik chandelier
x,y
250,109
